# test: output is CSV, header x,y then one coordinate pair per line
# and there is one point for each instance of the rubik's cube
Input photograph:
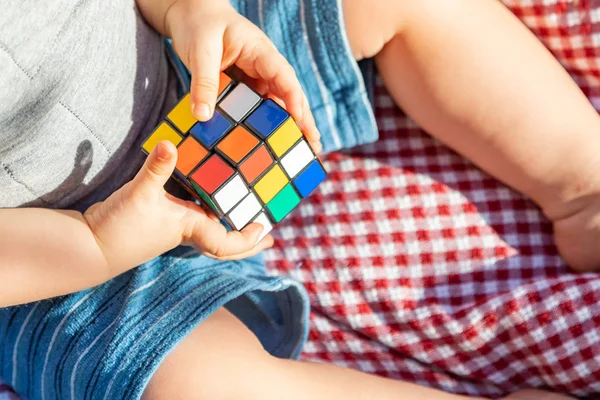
x,y
249,163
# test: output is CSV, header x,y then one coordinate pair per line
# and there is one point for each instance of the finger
x,y
316,146
264,244
157,169
214,241
205,66
273,68
308,128
260,59
211,214
259,86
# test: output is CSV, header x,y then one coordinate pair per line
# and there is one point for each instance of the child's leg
x,y
222,360
473,76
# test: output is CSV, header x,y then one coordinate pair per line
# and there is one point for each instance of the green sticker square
x,y
283,203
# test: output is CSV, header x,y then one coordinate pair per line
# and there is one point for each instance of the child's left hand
x,y
210,36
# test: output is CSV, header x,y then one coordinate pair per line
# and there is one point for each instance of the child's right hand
x,y
210,36
141,221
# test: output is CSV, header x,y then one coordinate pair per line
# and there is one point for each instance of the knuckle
x,y
284,68
215,249
154,171
206,83
264,43
220,251
289,70
286,92
253,50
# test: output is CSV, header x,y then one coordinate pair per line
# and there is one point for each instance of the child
x,y
84,82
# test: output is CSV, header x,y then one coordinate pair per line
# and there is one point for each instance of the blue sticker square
x,y
211,131
267,118
308,180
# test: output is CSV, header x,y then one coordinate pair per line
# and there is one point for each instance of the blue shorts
x,y
106,342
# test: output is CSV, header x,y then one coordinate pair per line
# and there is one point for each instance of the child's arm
x,y
46,253
472,75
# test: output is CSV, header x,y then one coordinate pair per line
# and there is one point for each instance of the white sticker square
x,y
245,211
264,221
297,158
239,102
230,194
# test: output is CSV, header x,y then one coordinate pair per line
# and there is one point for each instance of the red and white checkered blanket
x,y
422,268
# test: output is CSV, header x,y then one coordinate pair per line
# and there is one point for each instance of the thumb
x,y
205,67
157,169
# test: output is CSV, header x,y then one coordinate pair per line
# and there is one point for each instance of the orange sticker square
x,y
189,154
256,164
238,144
224,81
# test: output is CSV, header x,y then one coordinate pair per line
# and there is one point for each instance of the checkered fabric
x,y
422,268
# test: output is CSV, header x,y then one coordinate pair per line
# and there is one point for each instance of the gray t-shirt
x,y
82,82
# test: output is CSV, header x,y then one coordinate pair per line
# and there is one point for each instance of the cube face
x,y
249,163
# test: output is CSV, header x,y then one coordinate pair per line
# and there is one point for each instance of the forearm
x,y
471,74
46,253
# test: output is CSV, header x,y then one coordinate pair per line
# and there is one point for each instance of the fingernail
x,y
202,111
161,152
300,114
317,146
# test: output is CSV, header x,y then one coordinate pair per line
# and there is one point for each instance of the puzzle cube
x,y
248,163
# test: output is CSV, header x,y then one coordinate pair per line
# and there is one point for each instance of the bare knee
x,y
220,360
370,25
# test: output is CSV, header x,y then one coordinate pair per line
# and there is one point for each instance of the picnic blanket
x,y
420,267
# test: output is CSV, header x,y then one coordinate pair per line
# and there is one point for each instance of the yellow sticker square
x,y
270,184
181,116
284,137
163,132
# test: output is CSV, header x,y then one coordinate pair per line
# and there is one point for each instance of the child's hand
x,y
209,36
141,221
